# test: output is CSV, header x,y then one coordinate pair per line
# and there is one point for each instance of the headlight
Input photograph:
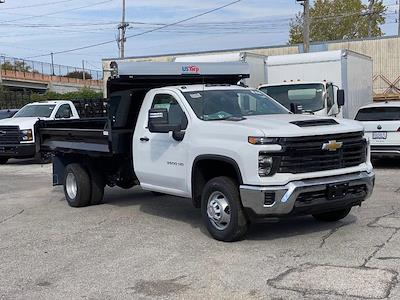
x,y
26,135
254,140
265,164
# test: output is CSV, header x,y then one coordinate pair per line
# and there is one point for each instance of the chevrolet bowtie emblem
x,y
2,132
332,146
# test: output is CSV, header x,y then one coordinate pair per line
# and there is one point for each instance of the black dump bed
x,y
75,135
113,134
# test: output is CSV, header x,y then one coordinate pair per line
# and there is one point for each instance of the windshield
x,y
5,114
379,114
231,104
38,111
310,96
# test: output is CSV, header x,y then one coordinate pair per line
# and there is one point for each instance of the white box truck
x,y
313,79
255,62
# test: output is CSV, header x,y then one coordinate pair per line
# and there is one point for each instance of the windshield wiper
x,y
233,118
309,112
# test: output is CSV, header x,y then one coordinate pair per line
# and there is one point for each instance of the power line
x,y
57,12
42,25
37,5
144,32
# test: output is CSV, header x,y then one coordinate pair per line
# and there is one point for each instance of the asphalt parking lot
x,y
137,245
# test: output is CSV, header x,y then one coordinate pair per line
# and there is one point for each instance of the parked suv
x,y
382,126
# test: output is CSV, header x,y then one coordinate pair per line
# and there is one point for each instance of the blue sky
x,y
26,31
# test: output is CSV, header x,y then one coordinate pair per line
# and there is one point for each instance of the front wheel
x,y
3,160
222,210
332,216
77,186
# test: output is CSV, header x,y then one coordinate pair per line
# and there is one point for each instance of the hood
x,y
23,123
290,125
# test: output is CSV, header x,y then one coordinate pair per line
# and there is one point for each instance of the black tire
x,y
228,188
98,185
332,216
83,185
3,160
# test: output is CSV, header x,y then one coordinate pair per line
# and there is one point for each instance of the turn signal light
x,y
256,140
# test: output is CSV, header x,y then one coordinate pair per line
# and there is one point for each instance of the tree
x,y
17,66
79,75
339,19
82,94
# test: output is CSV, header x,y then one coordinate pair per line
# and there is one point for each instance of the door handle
x,y
144,139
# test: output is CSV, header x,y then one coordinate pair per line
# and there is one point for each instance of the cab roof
x,y
383,104
294,82
47,102
207,87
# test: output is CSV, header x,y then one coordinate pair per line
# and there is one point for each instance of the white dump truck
x,y
190,130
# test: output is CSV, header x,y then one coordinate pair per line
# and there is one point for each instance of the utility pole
x,y
52,63
83,70
398,18
306,24
2,59
122,30
370,16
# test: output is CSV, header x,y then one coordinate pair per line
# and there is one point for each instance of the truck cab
x,y
17,134
317,98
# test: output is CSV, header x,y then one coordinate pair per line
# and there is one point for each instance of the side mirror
x,y
340,98
296,108
158,121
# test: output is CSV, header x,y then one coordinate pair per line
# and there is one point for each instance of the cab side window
x,y
175,112
331,100
64,112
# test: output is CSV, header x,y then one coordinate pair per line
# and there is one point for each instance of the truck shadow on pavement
x,y
181,209
386,163
25,162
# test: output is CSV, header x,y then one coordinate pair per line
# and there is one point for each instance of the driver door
x,y
161,162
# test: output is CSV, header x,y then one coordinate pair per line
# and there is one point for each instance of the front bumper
x,y
18,150
385,151
306,196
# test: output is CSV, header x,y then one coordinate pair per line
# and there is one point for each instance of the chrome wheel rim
x,y
218,210
71,186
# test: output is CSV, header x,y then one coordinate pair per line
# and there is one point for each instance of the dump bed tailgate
x,y
82,135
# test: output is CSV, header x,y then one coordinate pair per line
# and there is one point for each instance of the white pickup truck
x,y
17,134
191,131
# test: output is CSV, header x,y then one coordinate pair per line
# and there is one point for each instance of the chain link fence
x,y
12,64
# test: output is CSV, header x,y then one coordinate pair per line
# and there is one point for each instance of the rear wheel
x,y
77,186
332,216
3,160
222,210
